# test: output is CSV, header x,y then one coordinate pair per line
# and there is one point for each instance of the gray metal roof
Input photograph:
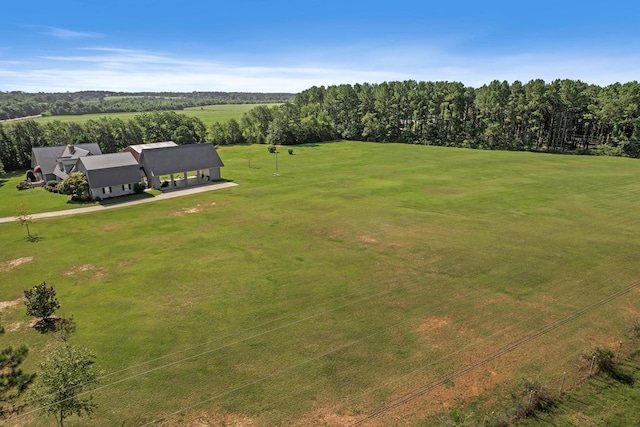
x,y
106,161
110,169
181,158
46,156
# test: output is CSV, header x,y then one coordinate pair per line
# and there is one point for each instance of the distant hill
x,y
21,104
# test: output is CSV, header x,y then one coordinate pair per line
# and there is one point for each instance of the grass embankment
x,y
606,400
208,114
363,273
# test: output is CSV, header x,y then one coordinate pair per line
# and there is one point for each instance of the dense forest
x,y
561,116
20,104
564,116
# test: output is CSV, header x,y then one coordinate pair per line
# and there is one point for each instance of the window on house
x,y
126,187
106,190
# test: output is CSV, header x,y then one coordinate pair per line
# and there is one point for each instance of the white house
x,y
110,175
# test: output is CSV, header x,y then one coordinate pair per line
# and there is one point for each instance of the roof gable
x,y
110,169
181,158
46,157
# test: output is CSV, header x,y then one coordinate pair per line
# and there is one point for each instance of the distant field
x,y
363,274
208,114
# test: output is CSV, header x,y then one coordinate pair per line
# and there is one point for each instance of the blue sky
x,y
286,46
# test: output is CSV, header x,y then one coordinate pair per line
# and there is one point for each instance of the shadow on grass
x,y
44,326
617,373
80,203
170,189
34,238
125,199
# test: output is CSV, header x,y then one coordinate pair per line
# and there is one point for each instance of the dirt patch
x,y
76,269
9,305
10,265
368,239
326,418
432,323
185,211
203,419
98,272
192,210
14,326
336,420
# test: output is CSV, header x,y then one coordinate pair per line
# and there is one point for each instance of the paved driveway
x,y
165,195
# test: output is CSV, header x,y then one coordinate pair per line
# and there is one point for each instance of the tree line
x,y
111,134
20,104
560,116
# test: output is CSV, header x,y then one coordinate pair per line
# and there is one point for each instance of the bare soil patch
x,y
326,418
368,239
14,326
204,419
194,209
98,272
432,323
9,305
10,265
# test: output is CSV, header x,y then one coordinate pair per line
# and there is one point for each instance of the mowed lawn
x,y
208,114
363,274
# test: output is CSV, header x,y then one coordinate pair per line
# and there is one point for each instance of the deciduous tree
x,y
24,218
62,388
75,185
41,301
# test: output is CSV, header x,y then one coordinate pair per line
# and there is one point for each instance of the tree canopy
x,y
559,116
41,301
75,185
66,376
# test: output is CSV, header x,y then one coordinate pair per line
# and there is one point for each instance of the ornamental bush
x,y
138,188
23,185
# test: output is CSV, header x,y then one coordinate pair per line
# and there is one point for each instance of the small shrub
x,y
290,151
164,184
138,188
607,364
271,148
31,177
634,330
532,397
604,359
23,185
51,185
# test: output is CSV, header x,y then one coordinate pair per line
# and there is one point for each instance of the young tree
x,y
62,387
41,301
65,327
75,185
25,219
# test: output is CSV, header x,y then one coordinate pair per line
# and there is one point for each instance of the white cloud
x,y
131,70
116,69
62,33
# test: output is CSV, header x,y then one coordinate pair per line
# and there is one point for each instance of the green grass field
x,y
362,274
209,114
